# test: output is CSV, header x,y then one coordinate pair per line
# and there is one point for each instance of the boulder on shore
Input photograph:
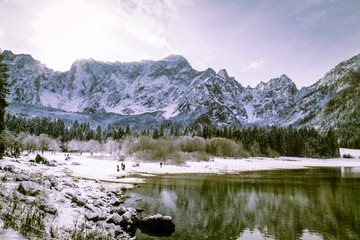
x,y
10,168
22,177
40,159
48,207
29,188
157,225
94,216
80,201
115,218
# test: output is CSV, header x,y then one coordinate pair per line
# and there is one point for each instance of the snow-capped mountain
x,y
169,91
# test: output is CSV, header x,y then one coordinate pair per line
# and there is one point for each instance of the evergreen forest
x,y
256,141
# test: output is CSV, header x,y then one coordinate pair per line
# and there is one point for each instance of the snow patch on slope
x,y
249,108
170,111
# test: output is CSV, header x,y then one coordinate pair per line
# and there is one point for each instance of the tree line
x,y
289,141
259,141
349,135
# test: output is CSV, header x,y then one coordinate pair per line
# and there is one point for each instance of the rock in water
x,y
157,225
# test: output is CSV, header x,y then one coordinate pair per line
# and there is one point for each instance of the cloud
x,y
15,24
253,66
59,32
145,21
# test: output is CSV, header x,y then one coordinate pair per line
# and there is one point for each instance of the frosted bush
x,y
223,147
30,143
191,144
75,146
112,146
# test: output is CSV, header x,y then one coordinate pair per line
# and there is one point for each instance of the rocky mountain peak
x,y
281,83
175,58
223,73
339,71
82,62
208,73
285,79
8,55
178,62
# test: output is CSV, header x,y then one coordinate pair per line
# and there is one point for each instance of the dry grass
x,y
28,219
178,150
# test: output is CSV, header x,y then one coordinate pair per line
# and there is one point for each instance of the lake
x,y
314,203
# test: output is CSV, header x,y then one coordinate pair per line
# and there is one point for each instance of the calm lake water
x,y
317,203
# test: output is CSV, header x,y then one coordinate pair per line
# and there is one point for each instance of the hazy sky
x,y
253,40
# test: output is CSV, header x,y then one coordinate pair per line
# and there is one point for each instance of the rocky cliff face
x,y
173,90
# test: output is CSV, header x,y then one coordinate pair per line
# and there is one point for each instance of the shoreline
x,y
103,167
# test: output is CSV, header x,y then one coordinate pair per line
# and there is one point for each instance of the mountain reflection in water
x,y
317,203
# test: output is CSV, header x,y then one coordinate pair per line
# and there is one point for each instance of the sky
x,y
253,40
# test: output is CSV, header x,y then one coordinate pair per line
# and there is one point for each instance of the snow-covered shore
x,y
103,167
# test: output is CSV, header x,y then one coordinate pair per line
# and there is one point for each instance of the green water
x,y
318,203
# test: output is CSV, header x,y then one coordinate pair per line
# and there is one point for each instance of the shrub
x,y
111,146
28,219
147,148
222,147
75,146
201,156
270,152
30,143
191,144
84,146
255,149
178,150
347,156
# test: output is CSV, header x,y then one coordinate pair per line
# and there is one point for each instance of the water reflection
x,y
315,203
350,172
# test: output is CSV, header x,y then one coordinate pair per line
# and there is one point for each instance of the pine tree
x,y
299,148
120,133
156,134
177,131
172,130
127,131
4,91
332,143
98,134
161,131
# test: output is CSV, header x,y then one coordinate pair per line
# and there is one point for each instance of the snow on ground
x,y
103,167
222,165
61,194
353,152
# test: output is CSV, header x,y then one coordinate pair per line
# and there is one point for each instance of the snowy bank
x,y
102,167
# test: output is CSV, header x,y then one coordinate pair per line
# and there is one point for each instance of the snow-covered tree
x,y
112,146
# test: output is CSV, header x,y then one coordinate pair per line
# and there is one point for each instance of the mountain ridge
x,y
185,96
